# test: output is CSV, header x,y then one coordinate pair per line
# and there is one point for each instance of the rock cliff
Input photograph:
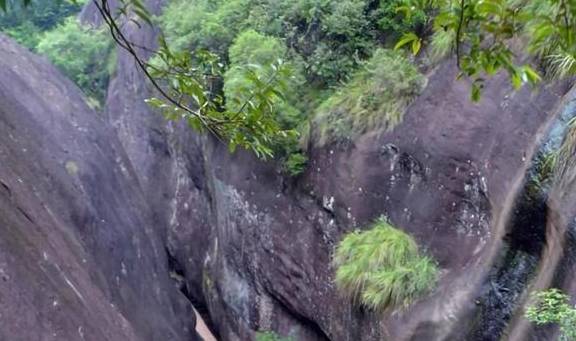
x,y
80,255
113,223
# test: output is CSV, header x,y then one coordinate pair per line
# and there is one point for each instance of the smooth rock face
x,y
80,255
105,217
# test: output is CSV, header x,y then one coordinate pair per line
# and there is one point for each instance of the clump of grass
x,y
382,267
375,98
565,162
543,173
442,43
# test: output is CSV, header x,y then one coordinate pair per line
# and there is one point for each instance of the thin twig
x,y
459,32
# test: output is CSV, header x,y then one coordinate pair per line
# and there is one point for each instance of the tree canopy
x,y
528,39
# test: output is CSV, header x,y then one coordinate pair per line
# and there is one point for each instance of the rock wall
x,y
113,223
253,247
80,255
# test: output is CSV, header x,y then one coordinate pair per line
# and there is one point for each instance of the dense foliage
x,y
330,37
50,28
81,52
325,42
322,43
486,36
375,98
25,23
382,267
283,65
553,307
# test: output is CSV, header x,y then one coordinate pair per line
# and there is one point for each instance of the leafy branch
x,y
187,84
485,32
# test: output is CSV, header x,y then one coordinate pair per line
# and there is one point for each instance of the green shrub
x,y
382,267
441,44
254,53
271,336
204,24
553,306
543,172
295,163
26,34
390,19
345,18
25,24
81,52
256,48
375,98
330,37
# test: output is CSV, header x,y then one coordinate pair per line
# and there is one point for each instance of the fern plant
x,y
382,267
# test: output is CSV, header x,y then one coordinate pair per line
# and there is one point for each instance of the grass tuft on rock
x,y
382,268
375,98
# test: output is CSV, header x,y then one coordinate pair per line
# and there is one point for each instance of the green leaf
x,y
407,10
444,20
407,38
516,80
416,44
475,93
488,7
530,75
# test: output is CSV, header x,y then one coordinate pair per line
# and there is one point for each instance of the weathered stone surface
x,y
253,247
439,175
80,256
250,247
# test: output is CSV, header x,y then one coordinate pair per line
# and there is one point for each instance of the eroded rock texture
x,y
80,255
253,247
105,216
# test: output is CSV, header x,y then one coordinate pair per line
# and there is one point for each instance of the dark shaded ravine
x,y
113,224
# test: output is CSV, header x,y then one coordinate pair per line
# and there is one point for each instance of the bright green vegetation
x,y
484,31
50,28
330,40
271,336
382,267
326,42
26,23
322,45
251,52
553,307
81,52
544,168
330,37
375,98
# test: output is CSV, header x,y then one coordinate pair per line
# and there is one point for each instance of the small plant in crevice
x,y
271,336
382,268
565,161
552,306
295,163
543,172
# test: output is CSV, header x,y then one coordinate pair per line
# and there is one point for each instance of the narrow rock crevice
x,y
177,273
